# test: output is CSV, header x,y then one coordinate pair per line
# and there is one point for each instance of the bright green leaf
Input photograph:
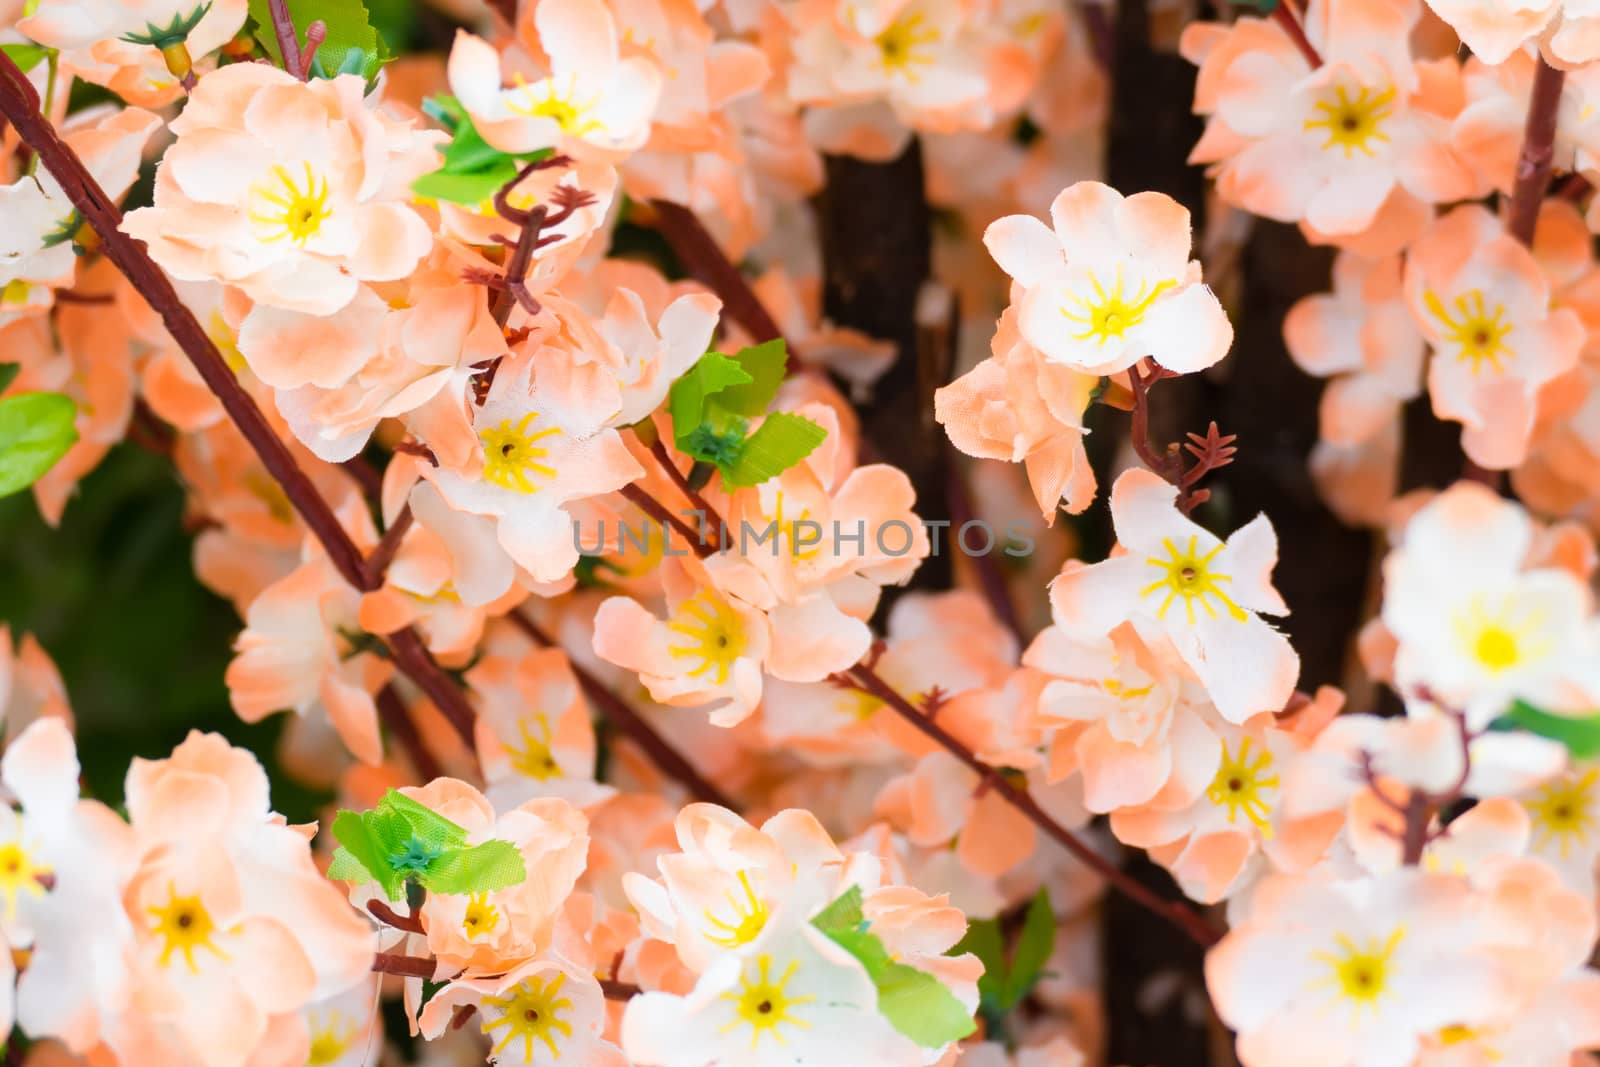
x,y
1034,945
481,869
36,429
468,151
920,1007
427,825
361,855
8,374
711,375
471,188
780,442
1580,734
984,940
843,914
444,109
766,364
26,55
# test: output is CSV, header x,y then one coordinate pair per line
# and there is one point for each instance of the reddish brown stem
x,y
648,504
618,990
702,257
632,725
20,104
316,34
517,266
288,39
389,917
408,966
394,715
711,522
1286,18
378,563
1179,914
1538,153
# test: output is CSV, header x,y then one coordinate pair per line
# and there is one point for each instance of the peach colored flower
x,y
1112,284
295,192
1484,307
1567,31
539,1012
1245,665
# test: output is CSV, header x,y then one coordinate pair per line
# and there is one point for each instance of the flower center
x,y
1563,811
330,1040
1189,575
541,100
1240,782
716,636
750,916
1112,314
510,454
481,916
1478,333
1352,122
15,292
289,210
1361,975
1501,637
533,759
186,925
18,875
763,1003
902,46
532,1012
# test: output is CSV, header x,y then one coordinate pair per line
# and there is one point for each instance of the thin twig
x,y
711,522
394,714
1538,153
20,104
632,725
990,578
867,680
702,257
388,916
618,990
648,504
288,39
1286,18
378,562
408,966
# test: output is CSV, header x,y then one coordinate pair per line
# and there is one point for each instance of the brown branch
x,y
378,562
517,266
1538,153
648,504
408,966
702,257
20,104
394,715
1176,912
990,578
632,725
618,990
389,917
712,527
1290,22
288,38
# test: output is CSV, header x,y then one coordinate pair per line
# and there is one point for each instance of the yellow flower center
x,y
1189,575
1478,333
18,875
266,489
1563,811
186,925
715,634
481,916
750,916
1113,314
1239,785
1353,122
532,1012
15,292
1361,974
790,530
330,1039
763,1005
902,46
226,340
533,759
1499,637
541,100
510,454
294,212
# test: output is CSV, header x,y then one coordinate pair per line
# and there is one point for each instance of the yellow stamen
x,y
763,1005
1240,782
510,454
532,1012
1479,334
295,213
715,633
1113,314
1189,575
1353,122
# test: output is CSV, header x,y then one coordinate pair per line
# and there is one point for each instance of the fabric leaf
x,y
36,430
780,442
711,375
481,869
1580,734
766,364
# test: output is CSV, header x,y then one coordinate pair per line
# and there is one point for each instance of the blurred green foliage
x,y
141,645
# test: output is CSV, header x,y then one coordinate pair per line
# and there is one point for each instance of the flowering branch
x,y
1287,18
866,679
378,563
288,39
1538,153
702,257
20,104
632,725
1211,452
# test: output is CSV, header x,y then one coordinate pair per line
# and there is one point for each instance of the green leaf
x,y
470,188
711,375
1580,734
25,55
427,825
352,45
361,854
8,374
36,430
984,940
481,869
843,914
920,1007
780,442
1034,945
915,1002
766,364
